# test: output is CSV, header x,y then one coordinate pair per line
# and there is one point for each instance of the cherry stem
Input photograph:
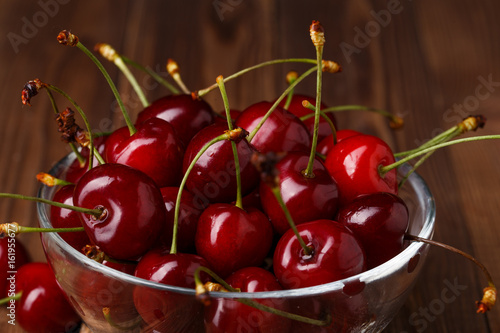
x,y
6,300
173,70
153,74
224,136
204,296
49,180
488,299
94,212
277,194
290,78
222,87
205,91
109,53
278,101
311,107
386,168
106,311
15,228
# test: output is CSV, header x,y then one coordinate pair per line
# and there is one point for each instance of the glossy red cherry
x,y
187,115
189,213
379,221
66,218
354,164
43,306
76,170
336,254
165,311
213,178
281,132
325,145
227,315
154,149
13,255
133,210
230,238
299,110
307,198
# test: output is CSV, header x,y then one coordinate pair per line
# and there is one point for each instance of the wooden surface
x,y
431,61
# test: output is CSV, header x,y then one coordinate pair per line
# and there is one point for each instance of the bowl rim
x,y
416,181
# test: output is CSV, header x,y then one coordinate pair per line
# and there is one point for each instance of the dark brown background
x,y
428,61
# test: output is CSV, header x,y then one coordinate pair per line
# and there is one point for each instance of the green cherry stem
x,y
311,107
153,74
222,87
14,228
109,53
67,38
290,78
173,70
14,298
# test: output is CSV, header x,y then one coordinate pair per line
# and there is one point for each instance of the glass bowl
x,y
366,302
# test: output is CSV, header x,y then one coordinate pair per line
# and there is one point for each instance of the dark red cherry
x,y
66,218
154,149
43,306
187,115
165,311
325,145
336,254
281,132
221,119
13,255
76,170
230,238
299,110
133,210
379,221
227,315
354,164
213,178
189,213
307,198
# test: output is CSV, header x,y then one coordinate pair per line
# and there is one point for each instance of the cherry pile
x,y
270,197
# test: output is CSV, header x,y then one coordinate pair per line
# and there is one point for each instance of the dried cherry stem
x,y
203,295
95,253
290,78
233,135
109,53
153,74
49,180
239,199
14,298
318,38
94,212
106,311
307,104
7,229
383,169
395,122
278,101
69,39
173,70
489,293
327,66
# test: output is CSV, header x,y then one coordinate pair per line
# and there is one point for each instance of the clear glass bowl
x,y
366,302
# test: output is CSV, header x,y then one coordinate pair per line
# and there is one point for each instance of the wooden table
x,y
432,62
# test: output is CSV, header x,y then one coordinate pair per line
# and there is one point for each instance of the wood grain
x,y
430,61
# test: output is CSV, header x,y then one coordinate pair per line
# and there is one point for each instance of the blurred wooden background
x,y
432,62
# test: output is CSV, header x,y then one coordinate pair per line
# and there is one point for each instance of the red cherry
x,y
43,306
336,254
354,164
76,170
154,149
13,255
66,218
223,120
299,110
187,115
133,210
230,238
325,145
167,311
379,221
213,178
281,132
190,211
306,198
225,315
